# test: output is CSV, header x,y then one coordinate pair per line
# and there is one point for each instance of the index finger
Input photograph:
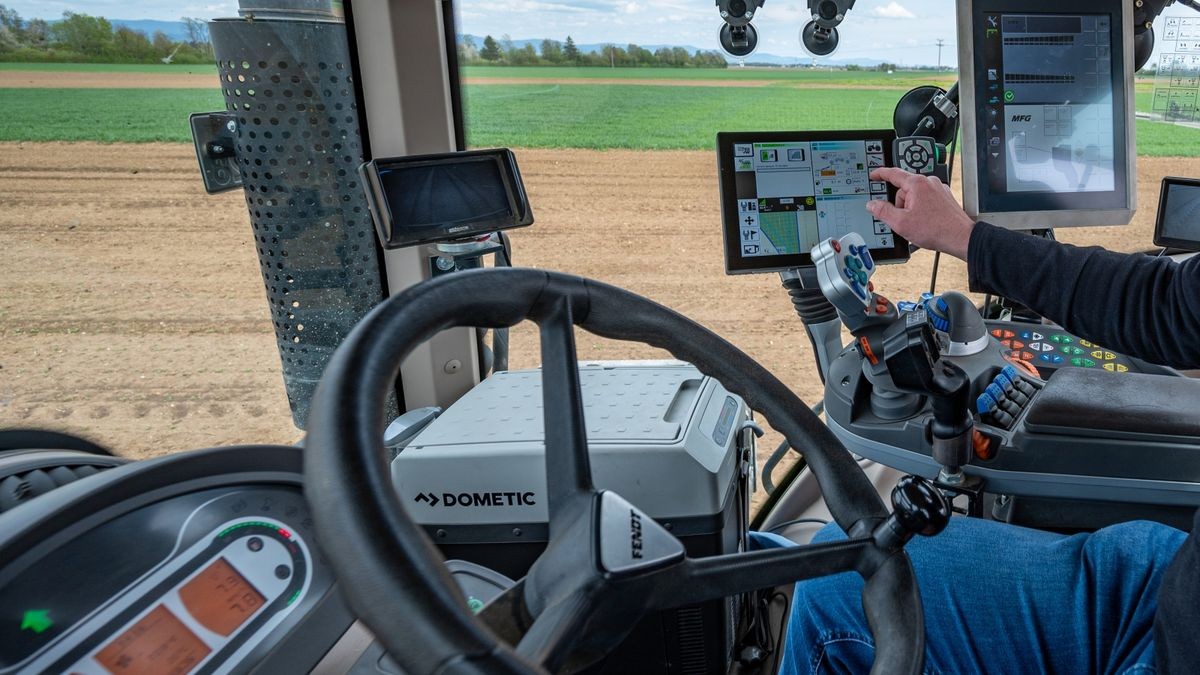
x,y
897,177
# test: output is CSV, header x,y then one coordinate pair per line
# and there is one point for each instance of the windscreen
x,y
445,194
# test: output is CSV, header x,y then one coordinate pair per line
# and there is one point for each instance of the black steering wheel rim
x,y
394,577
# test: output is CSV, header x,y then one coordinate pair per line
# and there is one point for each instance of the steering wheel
x,y
588,588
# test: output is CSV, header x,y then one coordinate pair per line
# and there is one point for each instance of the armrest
x,y
1079,401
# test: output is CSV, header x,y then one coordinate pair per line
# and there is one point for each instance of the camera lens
x,y
827,10
737,8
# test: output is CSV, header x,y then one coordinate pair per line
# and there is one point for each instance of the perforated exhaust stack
x,y
290,132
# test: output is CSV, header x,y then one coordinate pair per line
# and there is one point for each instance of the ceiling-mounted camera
x,y
820,36
738,37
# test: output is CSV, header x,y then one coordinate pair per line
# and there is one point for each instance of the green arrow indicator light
x,y
1009,96
37,620
474,604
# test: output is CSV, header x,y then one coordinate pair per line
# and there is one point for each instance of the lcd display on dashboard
x,y
219,598
783,193
1048,110
158,643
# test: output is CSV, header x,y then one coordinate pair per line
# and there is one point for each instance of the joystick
x,y
844,270
958,324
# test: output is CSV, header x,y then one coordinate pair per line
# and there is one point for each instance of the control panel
x,y
199,584
1049,348
1004,398
922,155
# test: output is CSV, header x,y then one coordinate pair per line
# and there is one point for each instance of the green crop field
x,y
524,115
172,69
900,79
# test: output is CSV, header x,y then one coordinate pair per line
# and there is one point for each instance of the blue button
x,y
866,256
995,392
926,296
906,306
1026,335
1003,380
1050,358
1057,358
1011,373
858,290
985,403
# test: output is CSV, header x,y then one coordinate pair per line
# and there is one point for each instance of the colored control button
x,y
906,306
985,403
1071,350
1027,335
995,392
1116,367
1056,338
837,248
1050,358
1010,373
1026,356
1085,343
1006,343
1017,344
997,333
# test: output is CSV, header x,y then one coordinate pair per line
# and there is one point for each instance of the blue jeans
x,y
1002,599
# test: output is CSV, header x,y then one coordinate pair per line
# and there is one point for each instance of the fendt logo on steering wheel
x,y
477,498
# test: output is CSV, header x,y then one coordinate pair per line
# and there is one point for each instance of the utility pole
x,y
940,42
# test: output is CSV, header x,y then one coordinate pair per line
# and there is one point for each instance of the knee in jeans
x,y
1139,540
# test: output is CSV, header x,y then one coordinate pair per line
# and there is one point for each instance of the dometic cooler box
x,y
670,440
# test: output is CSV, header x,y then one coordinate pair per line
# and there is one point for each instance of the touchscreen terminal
x,y
1178,224
1047,107
782,193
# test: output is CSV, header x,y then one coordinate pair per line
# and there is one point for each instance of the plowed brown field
x,y
132,310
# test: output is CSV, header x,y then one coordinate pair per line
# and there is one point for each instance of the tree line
x,y
80,38
555,53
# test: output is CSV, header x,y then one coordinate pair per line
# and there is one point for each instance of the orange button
x,y
881,300
998,333
880,308
1009,334
1026,356
1017,344
984,448
1006,343
871,286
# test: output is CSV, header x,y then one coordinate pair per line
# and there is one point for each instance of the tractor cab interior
x,y
445,513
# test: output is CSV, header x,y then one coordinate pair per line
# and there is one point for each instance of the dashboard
x,y
197,563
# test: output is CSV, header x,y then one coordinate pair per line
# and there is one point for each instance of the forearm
x,y
1144,306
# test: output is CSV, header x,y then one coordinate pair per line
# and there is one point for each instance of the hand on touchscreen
x,y
925,212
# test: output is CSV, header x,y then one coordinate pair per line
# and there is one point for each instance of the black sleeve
x,y
1146,307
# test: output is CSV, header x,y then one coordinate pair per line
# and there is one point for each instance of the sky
x,y
901,31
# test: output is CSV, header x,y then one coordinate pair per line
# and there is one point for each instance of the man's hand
x,y
925,212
